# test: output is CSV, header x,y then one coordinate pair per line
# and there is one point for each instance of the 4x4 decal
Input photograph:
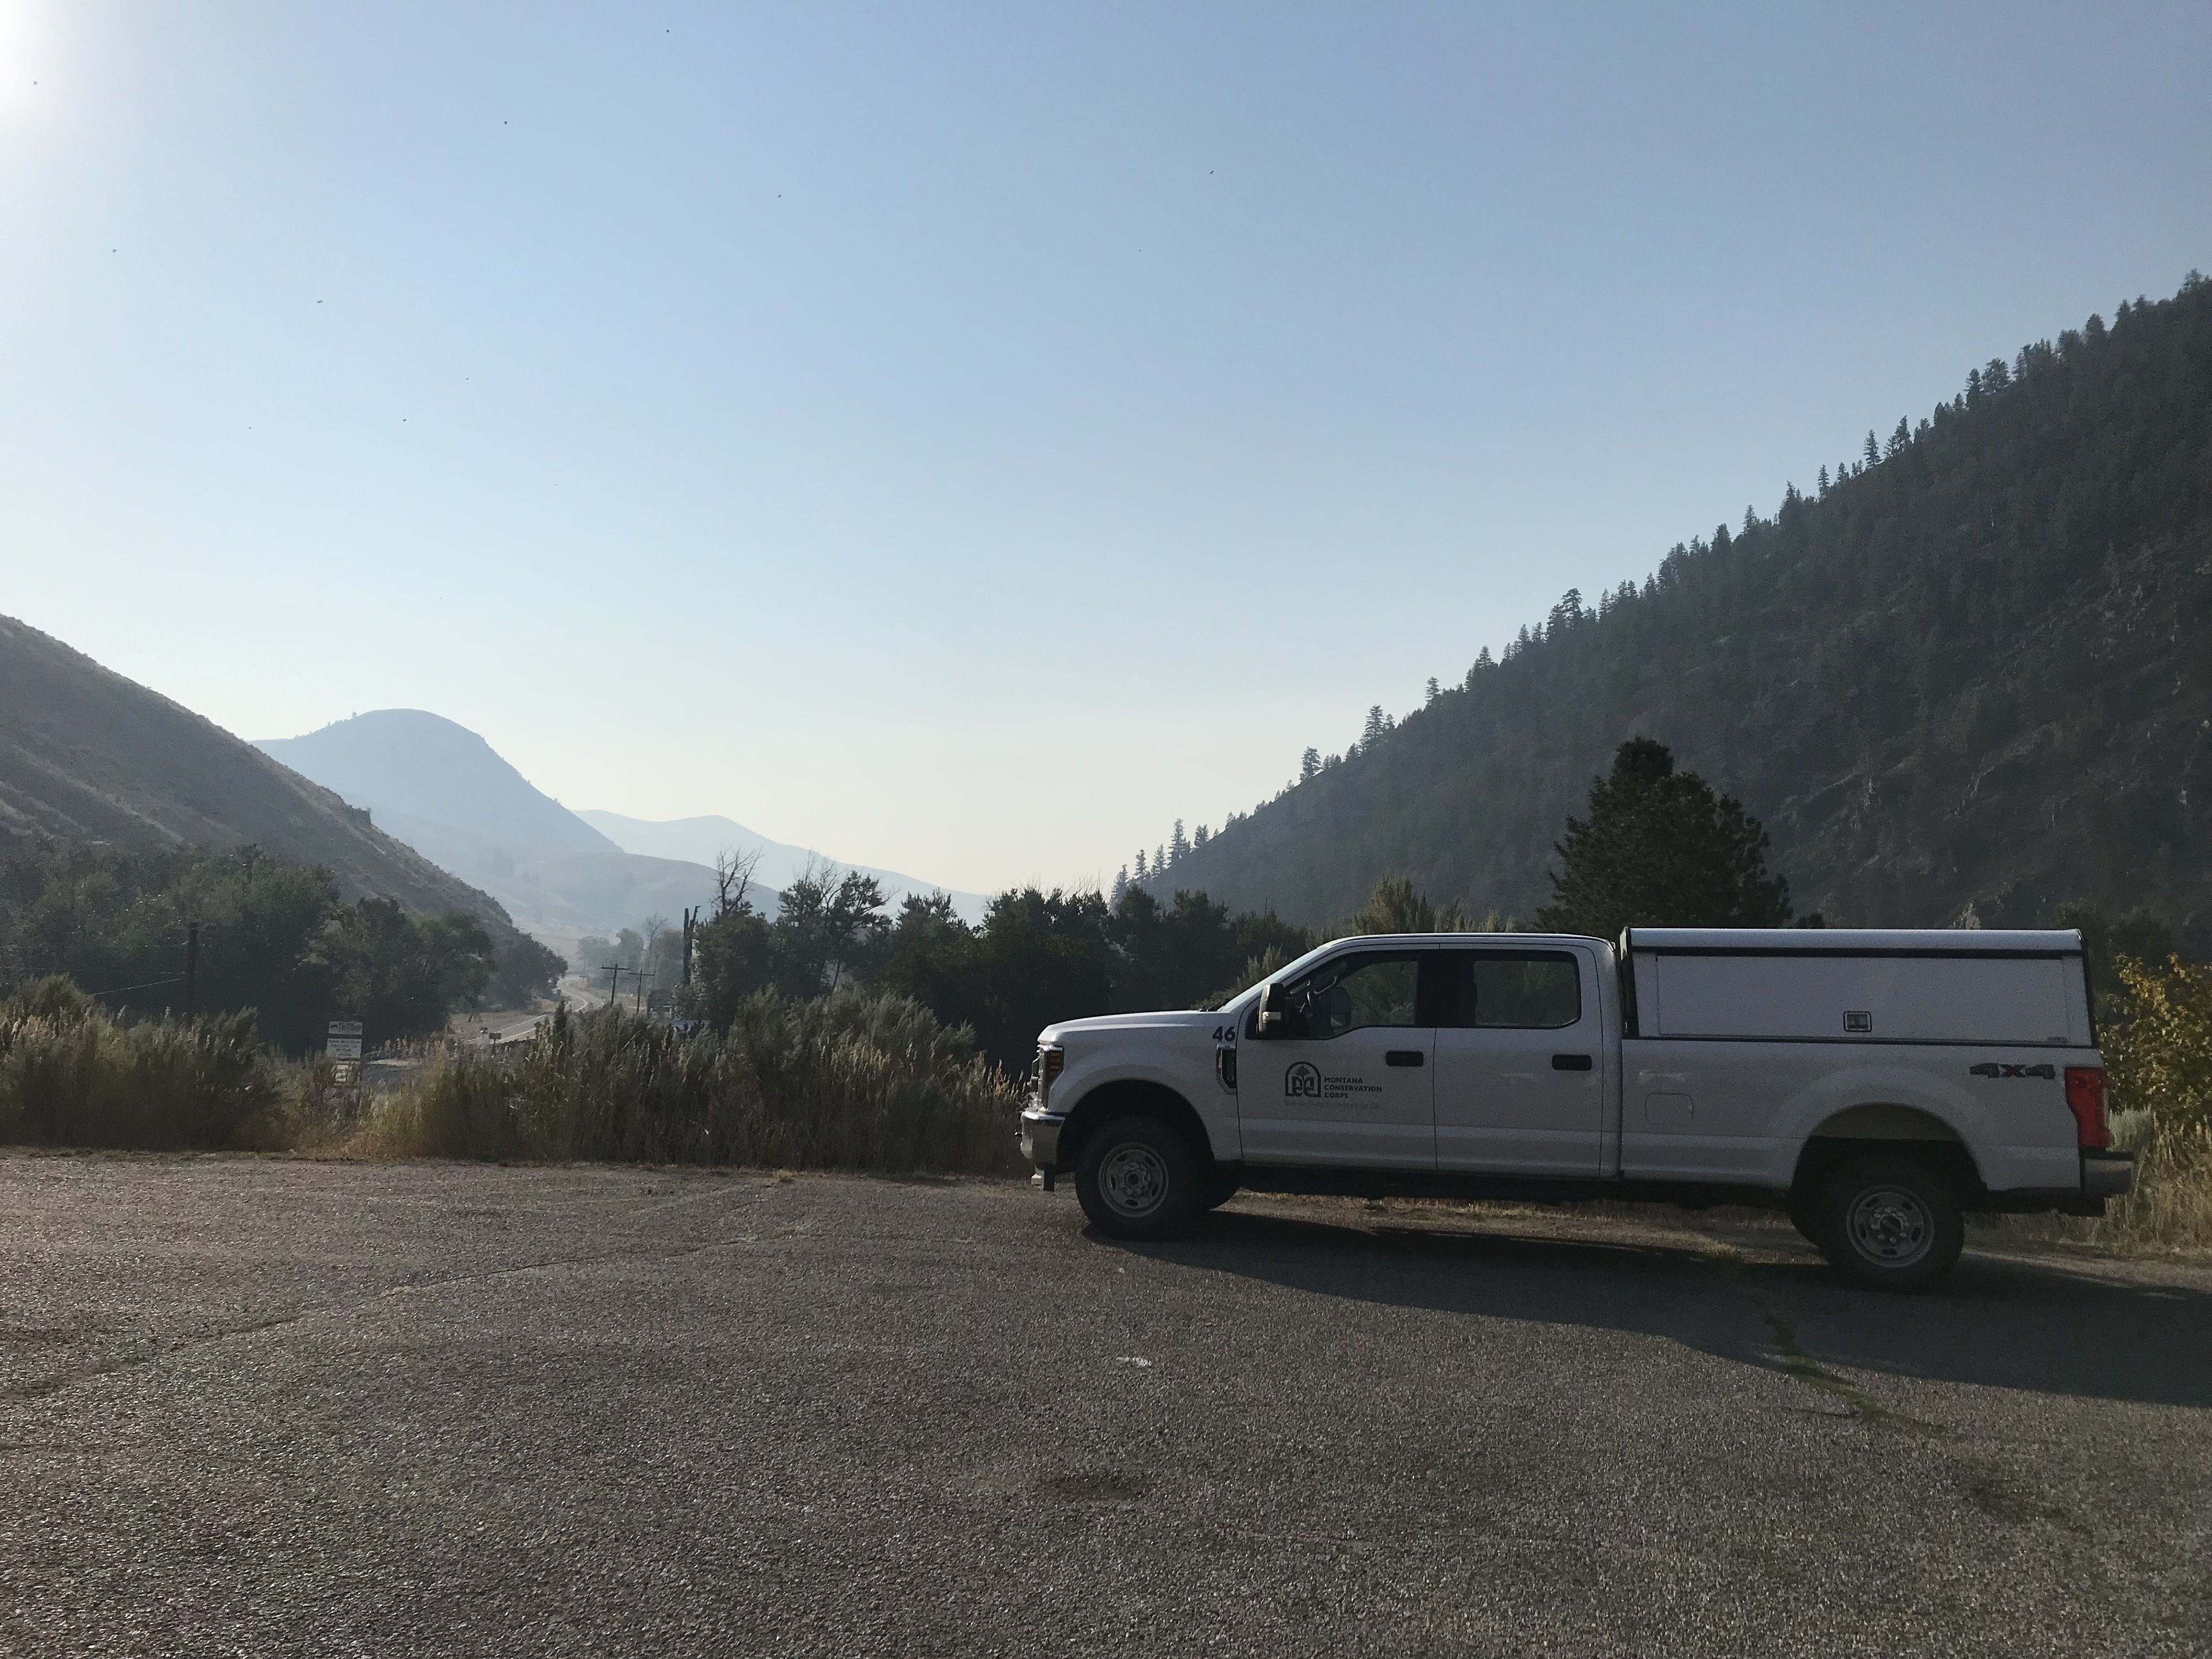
x,y
1991,1068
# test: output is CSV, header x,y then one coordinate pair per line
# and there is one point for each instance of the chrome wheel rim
x,y
1132,1180
1890,1226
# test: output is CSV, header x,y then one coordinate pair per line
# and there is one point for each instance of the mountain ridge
x,y
445,792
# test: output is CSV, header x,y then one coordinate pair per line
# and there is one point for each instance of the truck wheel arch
x,y
1884,1127
1132,1098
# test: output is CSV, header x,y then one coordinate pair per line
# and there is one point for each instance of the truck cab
x,y
1876,1085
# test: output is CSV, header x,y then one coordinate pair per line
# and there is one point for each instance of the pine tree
x,y
1178,845
1309,764
1434,691
1823,482
1201,836
1901,440
1661,850
1873,452
1374,728
1121,887
1142,872
1159,862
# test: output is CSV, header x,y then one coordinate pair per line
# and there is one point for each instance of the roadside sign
x,y
344,1042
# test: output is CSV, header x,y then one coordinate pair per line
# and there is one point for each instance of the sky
x,y
967,438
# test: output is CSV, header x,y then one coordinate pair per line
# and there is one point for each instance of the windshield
x,y
1245,998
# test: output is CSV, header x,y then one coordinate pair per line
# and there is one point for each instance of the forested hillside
x,y
1969,670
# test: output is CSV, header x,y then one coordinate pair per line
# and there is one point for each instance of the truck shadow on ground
x,y
2043,1325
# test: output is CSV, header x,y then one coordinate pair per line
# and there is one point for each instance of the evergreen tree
x,y
1178,845
1142,872
1824,483
1661,850
1374,728
1121,887
1309,764
1873,452
1434,689
1201,836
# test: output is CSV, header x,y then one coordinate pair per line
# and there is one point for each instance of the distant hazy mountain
x,y
88,755
448,793
700,839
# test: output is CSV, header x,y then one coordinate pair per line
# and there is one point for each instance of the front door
x,y
1520,1068
1349,1082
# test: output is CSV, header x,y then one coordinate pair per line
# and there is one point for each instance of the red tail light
x,y
2085,1098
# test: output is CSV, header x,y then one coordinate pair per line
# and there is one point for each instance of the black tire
x,y
1220,1188
1887,1223
1137,1177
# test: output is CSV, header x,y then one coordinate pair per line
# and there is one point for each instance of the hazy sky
x,y
967,438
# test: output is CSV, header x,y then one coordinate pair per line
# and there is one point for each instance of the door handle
x,y
1571,1062
1405,1057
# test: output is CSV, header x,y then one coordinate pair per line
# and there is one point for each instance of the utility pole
x,y
690,920
614,985
641,976
191,964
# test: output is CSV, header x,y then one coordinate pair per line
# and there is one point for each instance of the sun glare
x,y
22,32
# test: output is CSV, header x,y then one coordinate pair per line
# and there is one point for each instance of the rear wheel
x,y
1137,1177
1886,1224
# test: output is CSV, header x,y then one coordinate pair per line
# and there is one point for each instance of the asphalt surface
x,y
267,1408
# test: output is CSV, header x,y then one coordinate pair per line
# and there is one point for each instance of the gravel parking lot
x,y
261,1407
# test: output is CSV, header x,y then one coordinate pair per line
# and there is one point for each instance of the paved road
x,y
290,1407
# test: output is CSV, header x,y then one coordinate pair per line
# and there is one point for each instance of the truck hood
x,y
1197,1019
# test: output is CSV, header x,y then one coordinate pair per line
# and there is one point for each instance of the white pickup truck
x,y
1875,1086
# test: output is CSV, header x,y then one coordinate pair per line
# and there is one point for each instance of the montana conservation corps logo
x,y
1304,1081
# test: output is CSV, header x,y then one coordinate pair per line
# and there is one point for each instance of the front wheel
x,y
1886,1224
1136,1177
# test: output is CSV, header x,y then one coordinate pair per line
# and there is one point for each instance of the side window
x,y
1521,990
1353,993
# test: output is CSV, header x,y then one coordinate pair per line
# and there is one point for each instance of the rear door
x,y
1350,1084
1520,1061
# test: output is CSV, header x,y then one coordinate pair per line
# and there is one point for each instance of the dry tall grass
x,y
70,1075
850,1081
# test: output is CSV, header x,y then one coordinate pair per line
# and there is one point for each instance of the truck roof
x,y
1855,941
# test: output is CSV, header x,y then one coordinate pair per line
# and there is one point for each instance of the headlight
x,y
1051,1060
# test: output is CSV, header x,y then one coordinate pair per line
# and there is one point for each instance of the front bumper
x,y
1041,1137
2107,1174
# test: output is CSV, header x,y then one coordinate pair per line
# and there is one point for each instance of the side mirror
x,y
1275,1016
